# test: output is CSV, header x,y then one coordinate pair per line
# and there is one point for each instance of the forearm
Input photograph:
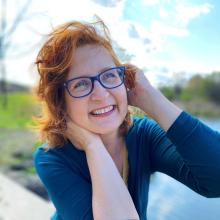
x,y
158,107
111,199
199,146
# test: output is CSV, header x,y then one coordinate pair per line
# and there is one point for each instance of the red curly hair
x,y
53,63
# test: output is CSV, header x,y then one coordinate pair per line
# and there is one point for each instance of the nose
x,y
99,92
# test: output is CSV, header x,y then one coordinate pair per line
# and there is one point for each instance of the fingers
x,y
129,65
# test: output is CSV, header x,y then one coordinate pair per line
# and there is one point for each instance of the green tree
x,y
195,88
168,91
7,29
213,87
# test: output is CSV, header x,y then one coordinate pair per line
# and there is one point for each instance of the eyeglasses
x,y
82,86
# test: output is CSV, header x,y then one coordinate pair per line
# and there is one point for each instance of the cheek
x,y
123,99
76,109
124,96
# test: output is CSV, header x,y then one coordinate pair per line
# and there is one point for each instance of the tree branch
x,y
18,18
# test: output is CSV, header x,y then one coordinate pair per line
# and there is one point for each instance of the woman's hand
x,y
141,88
80,137
149,99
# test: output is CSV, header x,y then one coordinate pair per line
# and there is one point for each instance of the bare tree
x,y
7,29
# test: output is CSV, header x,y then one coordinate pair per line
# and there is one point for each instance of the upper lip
x,y
101,108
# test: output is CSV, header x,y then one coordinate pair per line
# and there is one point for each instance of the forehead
x,y
90,59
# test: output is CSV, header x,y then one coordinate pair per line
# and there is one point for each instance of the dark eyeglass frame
x,y
93,78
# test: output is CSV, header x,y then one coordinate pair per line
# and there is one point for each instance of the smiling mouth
x,y
103,111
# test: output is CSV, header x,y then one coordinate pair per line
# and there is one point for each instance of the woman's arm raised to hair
x,y
111,199
152,101
159,107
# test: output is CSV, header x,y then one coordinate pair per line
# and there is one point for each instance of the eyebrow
x,y
106,68
102,70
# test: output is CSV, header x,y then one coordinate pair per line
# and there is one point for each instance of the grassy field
x,y
200,108
17,140
19,110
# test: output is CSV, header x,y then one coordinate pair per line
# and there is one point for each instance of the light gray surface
x,y
17,203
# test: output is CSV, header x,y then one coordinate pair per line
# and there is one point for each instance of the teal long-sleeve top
x,y
189,152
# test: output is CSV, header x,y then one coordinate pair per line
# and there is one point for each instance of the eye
x,y
110,75
120,72
81,83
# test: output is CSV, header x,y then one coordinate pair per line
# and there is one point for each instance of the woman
x,y
97,160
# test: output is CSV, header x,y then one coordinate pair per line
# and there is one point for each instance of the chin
x,y
102,130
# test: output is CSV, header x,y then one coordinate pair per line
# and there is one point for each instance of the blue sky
x,y
165,36
189,31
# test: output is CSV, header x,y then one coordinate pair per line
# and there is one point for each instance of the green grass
x,y
201,108
15,134
136,112
16,141
19,111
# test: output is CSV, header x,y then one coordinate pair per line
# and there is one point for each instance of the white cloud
x,y
159,28
157,2
174,19
151,2
192,66
85,10
107,3
185,13
139,42
163,13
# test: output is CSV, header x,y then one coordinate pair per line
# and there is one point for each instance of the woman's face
x,y
89,60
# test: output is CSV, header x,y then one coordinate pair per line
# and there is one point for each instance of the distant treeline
x,y
14,87
203,87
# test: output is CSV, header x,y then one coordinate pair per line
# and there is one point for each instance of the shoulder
x,y
59,157
44,157
42,153
142,123
145,130
142,130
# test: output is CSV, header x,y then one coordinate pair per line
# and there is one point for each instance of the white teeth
x,y
103,110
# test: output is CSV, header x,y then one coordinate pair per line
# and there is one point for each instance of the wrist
x,y
150,99
93,145
161,109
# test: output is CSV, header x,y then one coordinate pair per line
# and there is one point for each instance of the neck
x,y
113,142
